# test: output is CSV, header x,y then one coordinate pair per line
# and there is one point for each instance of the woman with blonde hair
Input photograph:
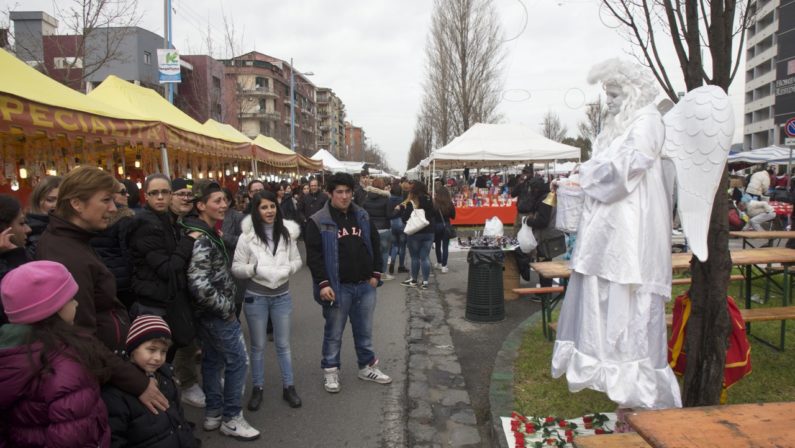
x,y
42,202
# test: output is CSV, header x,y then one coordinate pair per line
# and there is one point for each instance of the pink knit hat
x,y
144,328
36,291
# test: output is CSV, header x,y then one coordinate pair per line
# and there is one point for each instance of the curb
x,y
501,388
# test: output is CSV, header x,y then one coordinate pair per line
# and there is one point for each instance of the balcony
x,y
261,114
260,91
761,103
759,126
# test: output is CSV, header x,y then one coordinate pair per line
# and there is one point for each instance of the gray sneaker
x,y
331,379
372,373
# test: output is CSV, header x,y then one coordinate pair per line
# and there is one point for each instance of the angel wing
x,y
698,133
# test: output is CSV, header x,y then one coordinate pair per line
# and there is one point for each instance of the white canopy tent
x,y
770,154
489,145
331,163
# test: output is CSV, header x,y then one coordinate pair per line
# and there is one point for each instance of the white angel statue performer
x,y
611,331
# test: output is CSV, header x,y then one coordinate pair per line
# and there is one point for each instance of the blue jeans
x,y
279,308
420,250
398,248
357,302
385,237
223,353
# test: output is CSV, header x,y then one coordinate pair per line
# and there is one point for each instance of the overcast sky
x,y
371,53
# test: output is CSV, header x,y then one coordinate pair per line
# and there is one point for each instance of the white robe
x,y
611,334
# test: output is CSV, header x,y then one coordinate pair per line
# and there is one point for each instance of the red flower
x,y
519,437
599,431
587,419
563,423
551,441
569,432
514,425
549,419
569,438
588,425
529,428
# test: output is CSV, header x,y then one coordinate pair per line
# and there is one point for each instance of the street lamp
x,y
292,103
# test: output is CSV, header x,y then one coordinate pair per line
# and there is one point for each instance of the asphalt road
x,y
351,418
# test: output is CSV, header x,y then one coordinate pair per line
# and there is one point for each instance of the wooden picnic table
x,y
762,235
746,425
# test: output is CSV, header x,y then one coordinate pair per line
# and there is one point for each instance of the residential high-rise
x,y
354,142
200,93
258,100
331,122
762,46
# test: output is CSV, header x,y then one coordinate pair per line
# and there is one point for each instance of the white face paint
x,y
615,97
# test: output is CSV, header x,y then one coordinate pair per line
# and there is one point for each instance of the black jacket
x,y
38,224
132,424
540,212
111,246
311,203
160,253
377,206
427,205
288,208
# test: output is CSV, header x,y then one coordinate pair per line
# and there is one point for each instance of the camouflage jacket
x,y
210,281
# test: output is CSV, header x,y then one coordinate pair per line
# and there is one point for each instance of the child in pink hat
x,y
49,383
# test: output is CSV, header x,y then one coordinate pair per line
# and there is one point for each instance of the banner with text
x,y
168,65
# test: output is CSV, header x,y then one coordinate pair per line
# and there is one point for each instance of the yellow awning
x,y
226,129
271,144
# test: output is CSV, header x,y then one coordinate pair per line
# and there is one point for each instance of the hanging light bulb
x,y
236,168
201,174
138,160
139,184
99,164
220,173
120,170
51,171
15,185
227,171
189,175
23,172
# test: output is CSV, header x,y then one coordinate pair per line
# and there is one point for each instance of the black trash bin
x,y
485,300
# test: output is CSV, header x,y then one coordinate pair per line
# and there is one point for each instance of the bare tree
x,y
595,116
690,26
552,128
93,33
463,61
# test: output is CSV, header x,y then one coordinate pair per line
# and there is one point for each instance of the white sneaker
x,y
371,373
239,428
194,396
212,423
331,379
386,277
445,270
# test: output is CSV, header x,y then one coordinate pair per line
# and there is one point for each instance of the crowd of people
x,y
111,309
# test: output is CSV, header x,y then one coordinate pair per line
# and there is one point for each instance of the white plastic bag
x,y
527,241
570,199
493,227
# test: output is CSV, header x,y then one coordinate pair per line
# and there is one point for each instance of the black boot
x,y
256,399
291,396
392,267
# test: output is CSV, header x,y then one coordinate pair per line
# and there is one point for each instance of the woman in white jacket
x,y
267,255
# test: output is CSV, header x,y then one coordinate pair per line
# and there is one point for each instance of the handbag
x,y
417,221
551,243
446,230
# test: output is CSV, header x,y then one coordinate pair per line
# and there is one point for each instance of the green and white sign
x,y
168,65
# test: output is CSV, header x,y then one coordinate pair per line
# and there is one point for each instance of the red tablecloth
x,y
479,215
781,208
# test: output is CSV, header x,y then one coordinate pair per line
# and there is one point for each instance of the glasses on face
x,y
154,193
184,195
123,192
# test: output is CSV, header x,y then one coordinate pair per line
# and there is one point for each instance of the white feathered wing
x,y
698,133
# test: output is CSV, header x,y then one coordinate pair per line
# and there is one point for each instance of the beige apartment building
x,y
331,123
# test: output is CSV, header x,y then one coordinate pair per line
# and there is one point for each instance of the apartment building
x,y
200,94
785,67
760,76
331,123
258,90
354,142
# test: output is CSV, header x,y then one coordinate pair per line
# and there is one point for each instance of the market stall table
x,y
751,425
781,208
769,235
479,215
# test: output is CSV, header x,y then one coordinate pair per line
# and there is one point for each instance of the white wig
x,y
639,89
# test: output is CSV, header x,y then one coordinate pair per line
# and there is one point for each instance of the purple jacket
x,y
61,409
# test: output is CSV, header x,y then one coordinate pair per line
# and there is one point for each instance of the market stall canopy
x,y
770,154
330,163
279,155
181,131
485,145
32,103
309,164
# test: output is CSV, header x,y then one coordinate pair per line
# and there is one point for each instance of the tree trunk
x,y
709,326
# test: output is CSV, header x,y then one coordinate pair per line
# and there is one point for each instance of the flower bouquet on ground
x,y
536,432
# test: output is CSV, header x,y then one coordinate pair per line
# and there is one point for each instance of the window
x,y
216,82
68,62
147,58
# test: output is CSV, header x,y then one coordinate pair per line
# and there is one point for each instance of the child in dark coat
x,y
131,423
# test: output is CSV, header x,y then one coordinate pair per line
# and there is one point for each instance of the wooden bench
x,y
625,440
758,314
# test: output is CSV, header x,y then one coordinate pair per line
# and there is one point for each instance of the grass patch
x,y
771,380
